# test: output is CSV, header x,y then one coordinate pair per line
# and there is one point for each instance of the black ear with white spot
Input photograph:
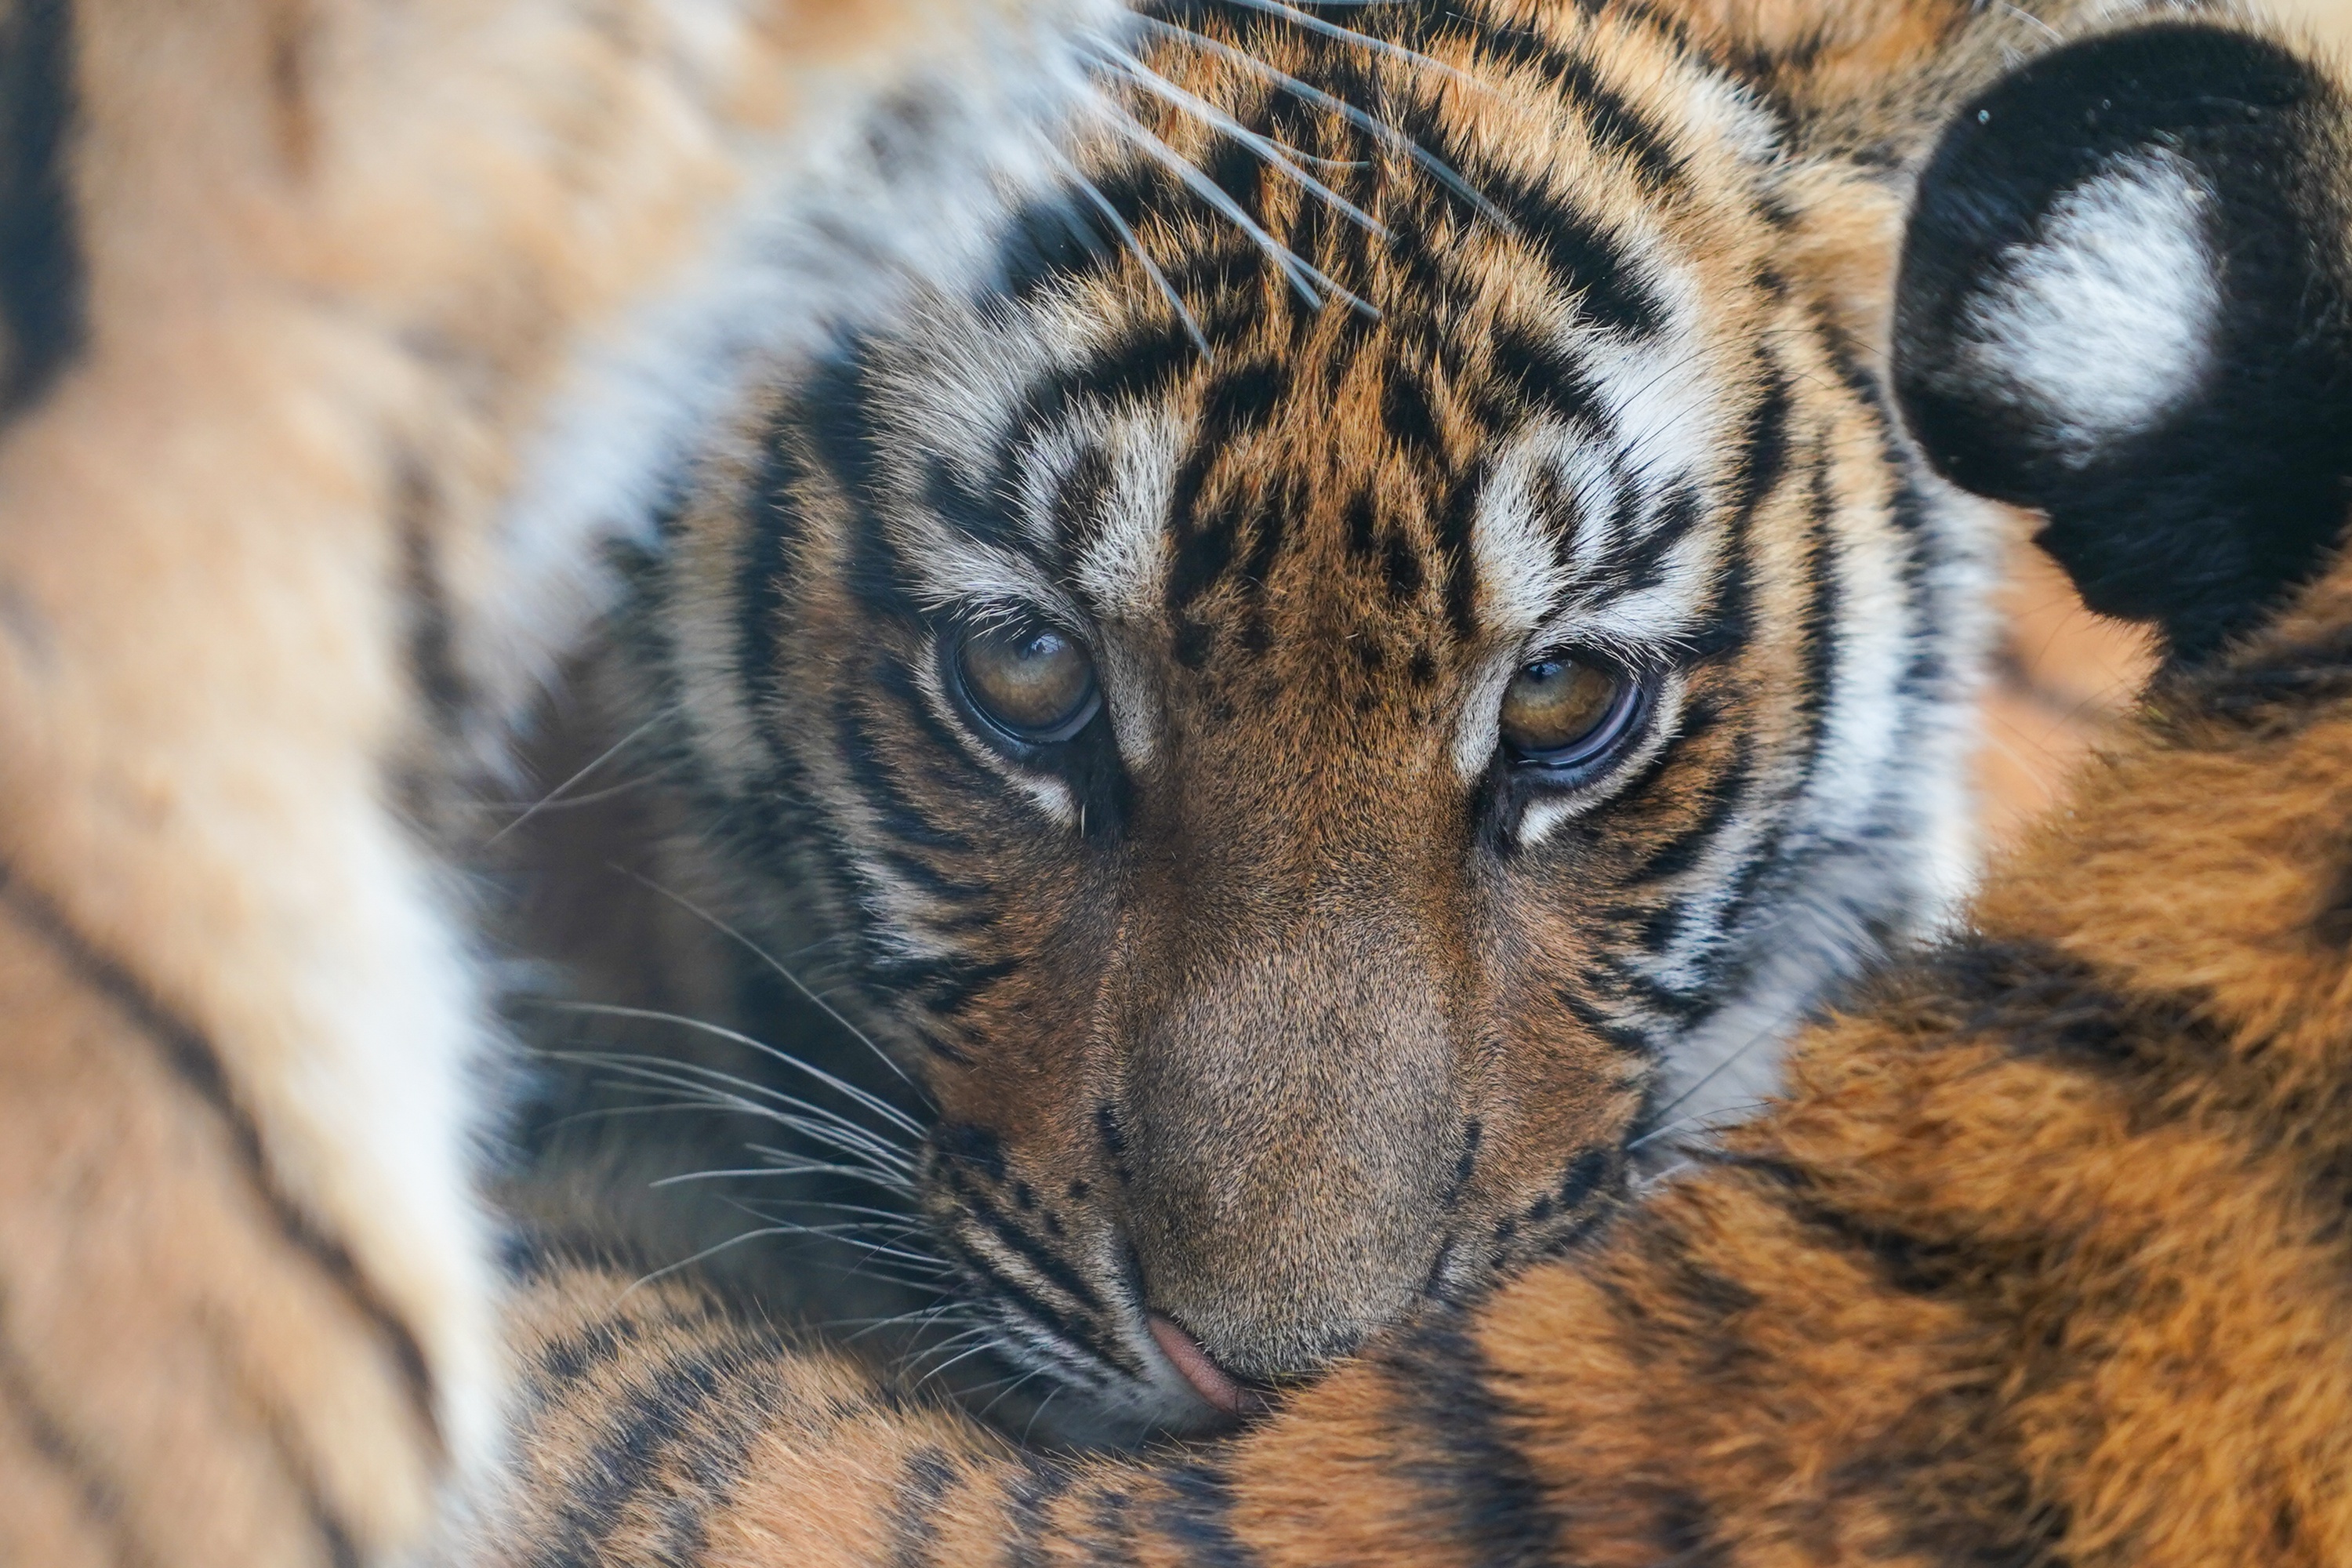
x,y
2125,300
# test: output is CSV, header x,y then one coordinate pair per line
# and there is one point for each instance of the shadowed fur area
x,y
1359,371
2039,1255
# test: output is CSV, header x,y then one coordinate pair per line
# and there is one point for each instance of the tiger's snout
x,y
1292,1135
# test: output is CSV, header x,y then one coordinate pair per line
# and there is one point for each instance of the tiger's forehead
x,y
1478,362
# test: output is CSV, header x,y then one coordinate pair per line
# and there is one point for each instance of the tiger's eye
x,y
1034,683
1559,711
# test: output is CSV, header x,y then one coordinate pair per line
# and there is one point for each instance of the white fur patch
x,y
1125,568
2103,324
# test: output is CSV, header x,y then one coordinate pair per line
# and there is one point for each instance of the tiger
x,y
2037,1257
1334,708
340,342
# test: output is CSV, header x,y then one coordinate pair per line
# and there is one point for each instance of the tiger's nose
x,y
1290,1126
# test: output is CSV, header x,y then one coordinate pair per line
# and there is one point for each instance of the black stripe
x,y
982,1210
1620,1037
1408,416
191,1058
44,288
833,407
643,1427
1732,617
1477,1481
1110,1540
1823,613
101,1500
1764,445
954,983
1545,374
975,506
1723,797
862,758
941,885
294,1463
970,1145
1269,517
1457,520
1241,398
709,1460
1910,1264
1080,504
1196,1514
1029,1502
914,1503
1049,239
2041,1003
1688,1532
1610,117
1018,1297
2272,692
895,677
434,664
771,518
1473,1132
573,1357
1644,532
1769,864
1141,365
1581,256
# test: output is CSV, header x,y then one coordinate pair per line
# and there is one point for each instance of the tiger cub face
x,y
1382,665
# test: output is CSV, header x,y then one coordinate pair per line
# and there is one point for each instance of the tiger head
x,y
1354,692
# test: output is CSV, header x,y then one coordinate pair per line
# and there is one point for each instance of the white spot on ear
x,y
2103,324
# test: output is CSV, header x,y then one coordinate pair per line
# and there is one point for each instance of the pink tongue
x,y
1207,1378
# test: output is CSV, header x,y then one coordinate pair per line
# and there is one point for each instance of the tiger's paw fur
x,y
340,339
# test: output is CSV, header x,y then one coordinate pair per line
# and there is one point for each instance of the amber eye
x,y
1561,712
1034,683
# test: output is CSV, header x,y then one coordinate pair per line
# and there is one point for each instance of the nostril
x,y
1209,1380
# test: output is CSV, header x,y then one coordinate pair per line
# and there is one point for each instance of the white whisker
x,y
1159,86
1379,129
1304,276
808,1168
711,1251
2022,15
1315,24
551,796
1709,1119
756,950
1039,1411
921,1318
1768,1033
1134,245
984,1347
829,1126
878,1106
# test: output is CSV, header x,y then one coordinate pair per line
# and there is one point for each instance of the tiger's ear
x,y
2125,301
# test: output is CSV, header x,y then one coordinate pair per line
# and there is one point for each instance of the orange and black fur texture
x,y
1138,668
2040,1256
336,340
